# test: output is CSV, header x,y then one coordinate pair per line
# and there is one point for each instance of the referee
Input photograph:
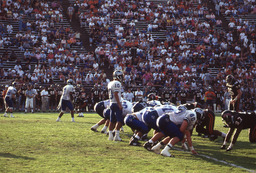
x,y
29,98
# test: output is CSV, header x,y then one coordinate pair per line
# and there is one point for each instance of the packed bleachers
x,y
39,38
172,44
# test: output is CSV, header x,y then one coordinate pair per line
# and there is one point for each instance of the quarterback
x,y
116,118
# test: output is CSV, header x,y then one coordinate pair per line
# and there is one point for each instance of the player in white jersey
x,y
10,95
116,118
150,117
99,109
102,108
175,125
152,100
66,100
127,107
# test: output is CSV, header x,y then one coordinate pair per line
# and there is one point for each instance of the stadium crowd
x,y
179,64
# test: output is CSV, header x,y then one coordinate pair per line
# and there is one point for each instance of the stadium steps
x,y
214,71
251,18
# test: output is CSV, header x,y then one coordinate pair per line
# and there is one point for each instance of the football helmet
x,y
6,86
228,117
230,79
118,75
70,82
182,108
151,96
14,83
139,106
199,113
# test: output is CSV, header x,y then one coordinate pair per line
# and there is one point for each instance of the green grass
x,y
36,143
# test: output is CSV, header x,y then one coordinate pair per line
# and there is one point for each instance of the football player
x,y
52,98
116,119
174,94
99,109
95,94
234,88
238,121
9,97
66,100
150,117
205,124
193,105
175,125
134,121
139,106
3,96
152,100
199,96
183,96
38,98
102,108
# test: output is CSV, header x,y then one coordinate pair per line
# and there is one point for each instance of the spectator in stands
x,y
210,97
44,97
138,95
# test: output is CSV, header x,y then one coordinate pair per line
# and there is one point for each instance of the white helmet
x,y
118,74
199,113
182,108
70,81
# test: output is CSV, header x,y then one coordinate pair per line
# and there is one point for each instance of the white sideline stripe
x,y
221,161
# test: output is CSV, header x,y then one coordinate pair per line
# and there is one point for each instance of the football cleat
x,y
93,129
110,137
156,149
166,153
205,136
117,138
213,137
229,148
5,115
104,131
134,141
73,121
12,116
223,147
147,146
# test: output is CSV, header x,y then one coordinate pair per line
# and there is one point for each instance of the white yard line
x,y
221,161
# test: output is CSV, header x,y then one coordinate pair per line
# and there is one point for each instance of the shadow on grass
x,y
246,160
9,155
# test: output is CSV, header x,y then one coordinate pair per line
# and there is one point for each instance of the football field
x,y
37,143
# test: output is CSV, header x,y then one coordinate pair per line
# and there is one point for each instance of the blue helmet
x,y
139,106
